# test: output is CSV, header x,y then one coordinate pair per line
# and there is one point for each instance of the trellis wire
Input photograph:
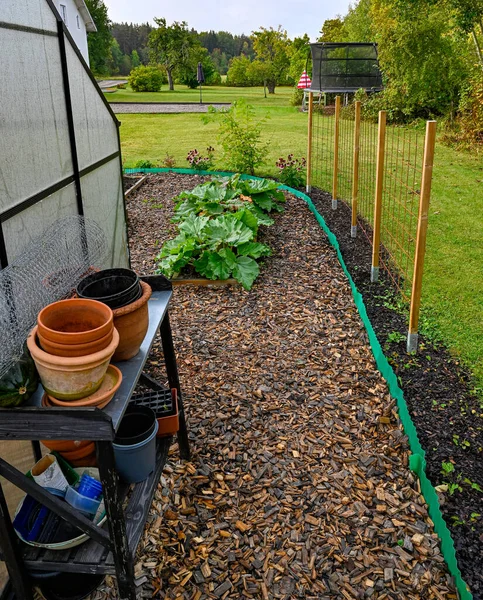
x,y
47,270
400,215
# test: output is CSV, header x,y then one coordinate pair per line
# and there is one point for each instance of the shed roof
x,y
86,15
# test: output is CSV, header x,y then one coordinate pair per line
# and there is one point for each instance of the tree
x,y
271,48
99,42
333,30
135,61
170,46
239,72
299,55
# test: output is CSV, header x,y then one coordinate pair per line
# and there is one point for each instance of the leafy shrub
x,y
297,97
144,164
145,79
218,225
169,161
121,86
199,162
241,138
292,171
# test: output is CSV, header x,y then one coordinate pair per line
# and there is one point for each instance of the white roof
x,y
85,14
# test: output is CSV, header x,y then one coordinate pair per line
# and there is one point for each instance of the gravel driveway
x,y
163,107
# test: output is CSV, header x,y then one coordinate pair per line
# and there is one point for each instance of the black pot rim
x,y
139,437
109,299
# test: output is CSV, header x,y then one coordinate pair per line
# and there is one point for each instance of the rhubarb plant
x,y
218,223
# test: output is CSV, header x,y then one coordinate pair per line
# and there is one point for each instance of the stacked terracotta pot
x,y
72,346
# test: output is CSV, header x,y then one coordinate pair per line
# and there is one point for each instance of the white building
x,y
79,22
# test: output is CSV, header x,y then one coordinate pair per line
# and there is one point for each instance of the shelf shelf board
x,y
91,557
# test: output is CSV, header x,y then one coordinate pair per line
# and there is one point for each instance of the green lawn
x,y
210,94
453,283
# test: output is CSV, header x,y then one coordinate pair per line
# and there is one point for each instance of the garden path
x,y
299,485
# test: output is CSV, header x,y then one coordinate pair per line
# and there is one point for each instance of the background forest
x,y
430,53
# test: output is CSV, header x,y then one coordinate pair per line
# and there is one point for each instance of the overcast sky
x,y
236,16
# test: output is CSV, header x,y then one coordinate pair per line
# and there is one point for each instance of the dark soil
x,y
437,389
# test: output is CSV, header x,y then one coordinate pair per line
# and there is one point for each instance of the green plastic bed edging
x,y
417,462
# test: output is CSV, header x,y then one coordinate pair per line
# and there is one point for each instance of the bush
x,y
241,138
292,171
199,162
144,164
297,97
145,79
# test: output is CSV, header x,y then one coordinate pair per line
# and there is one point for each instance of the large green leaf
x,y
248,218
213,265
254,249
229,256
194,226
227,229
245,271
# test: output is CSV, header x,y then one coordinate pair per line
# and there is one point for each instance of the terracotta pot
x,y
68,350
71,378
75,455
75,321
132,323
101,398
65,445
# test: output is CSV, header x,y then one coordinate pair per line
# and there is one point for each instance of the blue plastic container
x,y
137,461
90,487
85,505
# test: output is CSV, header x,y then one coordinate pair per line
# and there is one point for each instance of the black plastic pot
x,y
70,586
114,287
135,444
137,425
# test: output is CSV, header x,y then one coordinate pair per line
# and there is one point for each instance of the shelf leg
x,y
11,554
173,378
115,519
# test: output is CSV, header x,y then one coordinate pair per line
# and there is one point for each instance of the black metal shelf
x,y
91,557
115,549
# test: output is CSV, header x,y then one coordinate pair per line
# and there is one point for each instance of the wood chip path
x,y
299,485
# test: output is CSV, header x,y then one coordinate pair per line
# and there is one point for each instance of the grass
x,y
254,95
453,283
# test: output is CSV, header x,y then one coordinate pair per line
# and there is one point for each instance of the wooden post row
x,y
309,143
336,152
428,160
355,171
376,234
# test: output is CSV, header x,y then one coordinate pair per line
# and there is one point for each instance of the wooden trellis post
x,y
336,152
429,143
355,172
309,143
376,236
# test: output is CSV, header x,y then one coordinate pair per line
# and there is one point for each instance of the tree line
x,y
266,57
430,55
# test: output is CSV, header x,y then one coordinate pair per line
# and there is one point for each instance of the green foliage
x,y
99,42
447,468
170,46
144,164
292,171
333,30
272,50
299,56
297,97
239,72
218,225
145,79
241,137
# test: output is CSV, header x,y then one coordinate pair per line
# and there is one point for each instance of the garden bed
x,y
447,415
299,485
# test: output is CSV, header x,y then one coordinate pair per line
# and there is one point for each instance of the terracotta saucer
x,y
100,399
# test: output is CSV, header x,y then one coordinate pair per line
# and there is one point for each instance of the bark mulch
x,y
299,485
447,415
